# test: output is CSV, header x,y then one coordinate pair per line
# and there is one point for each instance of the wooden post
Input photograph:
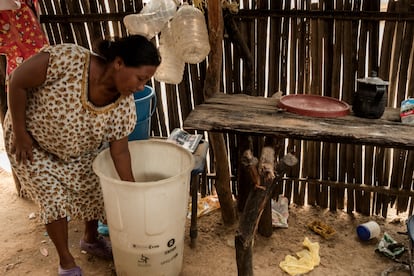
x,y
211,86
247,175
255,204
267,174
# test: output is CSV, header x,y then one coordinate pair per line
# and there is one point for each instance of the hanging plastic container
x,y
147,218
165,8
141,24
190,33
172,66
151,19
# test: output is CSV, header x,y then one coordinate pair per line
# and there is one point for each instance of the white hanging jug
x,y
151,19
172,66
191,35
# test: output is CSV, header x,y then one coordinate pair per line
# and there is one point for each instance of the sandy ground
x,y
27,250
25,243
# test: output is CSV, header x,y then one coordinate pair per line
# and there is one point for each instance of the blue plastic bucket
x,y
145,103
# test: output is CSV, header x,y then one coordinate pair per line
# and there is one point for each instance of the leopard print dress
x,y
69,132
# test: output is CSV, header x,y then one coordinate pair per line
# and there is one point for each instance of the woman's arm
x,y
122,159
30,74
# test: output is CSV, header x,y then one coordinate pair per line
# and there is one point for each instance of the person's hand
x,y
22,147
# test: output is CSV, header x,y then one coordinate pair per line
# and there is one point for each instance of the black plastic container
x,y
370,98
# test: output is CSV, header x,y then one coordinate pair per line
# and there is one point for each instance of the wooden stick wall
x,y
326,56
297,47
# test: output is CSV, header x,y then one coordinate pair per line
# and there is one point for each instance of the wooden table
x,y
247,115
243,114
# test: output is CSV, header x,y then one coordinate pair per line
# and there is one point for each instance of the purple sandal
x,y
101,248
76,271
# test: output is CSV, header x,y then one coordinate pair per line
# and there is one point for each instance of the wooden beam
x,y
332,14
356,186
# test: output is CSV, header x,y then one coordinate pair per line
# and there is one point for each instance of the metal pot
x,y
370,98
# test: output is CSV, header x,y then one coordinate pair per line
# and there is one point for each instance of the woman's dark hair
x,y
135,50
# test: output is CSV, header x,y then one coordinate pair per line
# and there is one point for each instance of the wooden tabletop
x,y
243,114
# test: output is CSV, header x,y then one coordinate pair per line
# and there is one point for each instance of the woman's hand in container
x,y
122,159
22,147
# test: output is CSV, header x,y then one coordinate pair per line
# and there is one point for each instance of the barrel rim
x,y
187,170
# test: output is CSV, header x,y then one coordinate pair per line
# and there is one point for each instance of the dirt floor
x,y
27,250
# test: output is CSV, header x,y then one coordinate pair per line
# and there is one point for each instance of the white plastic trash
x,y
146,218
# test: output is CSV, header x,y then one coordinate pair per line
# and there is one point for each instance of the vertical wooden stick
x,y
212,86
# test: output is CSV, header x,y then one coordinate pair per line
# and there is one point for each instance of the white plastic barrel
x,y
146,218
